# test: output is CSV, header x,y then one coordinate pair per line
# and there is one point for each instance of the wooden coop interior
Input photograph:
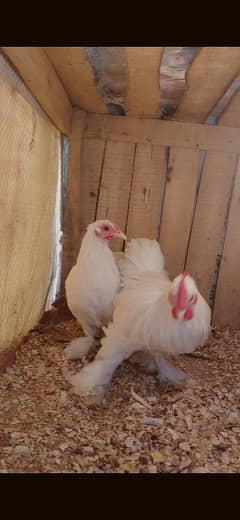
x,y
148,137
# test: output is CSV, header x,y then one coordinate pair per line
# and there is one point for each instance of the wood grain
x,y
209,219
143,94
162,133
227,300
179,200
77,77
115,185
39,75
144,206
72,207
211,73
29,151
231,115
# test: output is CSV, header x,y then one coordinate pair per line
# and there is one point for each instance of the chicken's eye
x,y
106,228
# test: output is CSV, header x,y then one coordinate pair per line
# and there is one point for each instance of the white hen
x,y
92,285
152,314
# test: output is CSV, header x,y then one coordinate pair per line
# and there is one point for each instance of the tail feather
x,y
141,255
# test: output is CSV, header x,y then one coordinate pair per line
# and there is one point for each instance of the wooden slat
x,y
174,66
231,115
210,75
144,206
179,200
208,224
115,185
30,154
85,164
110,70
163,133
73,199
227,301
93,151
143,95
39,75
77,77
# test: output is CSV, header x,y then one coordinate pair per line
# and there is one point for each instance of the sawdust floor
x,y
142,426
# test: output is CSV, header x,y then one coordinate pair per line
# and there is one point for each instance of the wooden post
x,y
71,219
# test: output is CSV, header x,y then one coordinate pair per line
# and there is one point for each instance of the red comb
x,y
182,294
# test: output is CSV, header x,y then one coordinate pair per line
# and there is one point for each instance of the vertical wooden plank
x,y
143,93
144,205
29,165
210,213
227,301
85,164
72,204
91,167
115,185
179,201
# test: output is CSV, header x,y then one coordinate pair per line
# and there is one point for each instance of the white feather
x,y
91,287
141,255
142,319
143,312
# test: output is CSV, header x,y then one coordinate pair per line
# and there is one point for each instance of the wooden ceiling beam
x,y
211,73
77,76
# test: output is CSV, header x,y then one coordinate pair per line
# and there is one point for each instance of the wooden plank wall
x,y
40,77
165,180
29,151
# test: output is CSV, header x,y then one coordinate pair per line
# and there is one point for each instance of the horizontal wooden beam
x,y
165,133
39,75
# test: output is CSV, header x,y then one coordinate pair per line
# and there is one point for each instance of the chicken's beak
x,y
120,234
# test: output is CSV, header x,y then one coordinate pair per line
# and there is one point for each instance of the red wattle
x,y
174,313
188,315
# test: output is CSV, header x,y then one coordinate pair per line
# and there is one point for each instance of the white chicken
x,y
92,285
152,314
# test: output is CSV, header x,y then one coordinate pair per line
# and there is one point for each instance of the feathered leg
x,y
94,377
80,347
144,361
169,373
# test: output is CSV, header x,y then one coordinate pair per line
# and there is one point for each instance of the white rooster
x,y
92,285
152,314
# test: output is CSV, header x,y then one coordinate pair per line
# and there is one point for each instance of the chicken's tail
x,y
141,255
